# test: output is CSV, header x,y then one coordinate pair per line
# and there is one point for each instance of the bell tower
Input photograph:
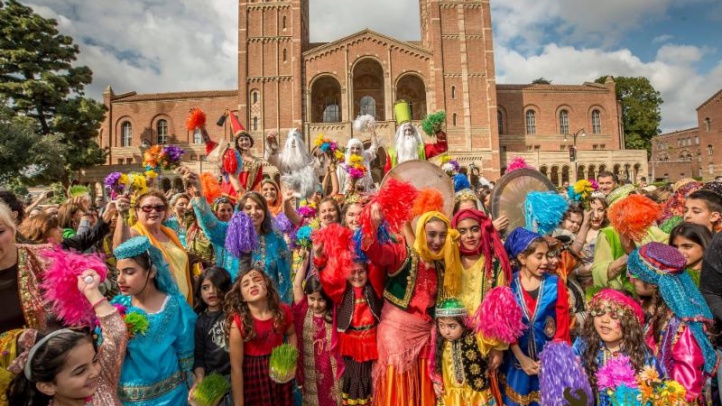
x,y
462,80
272,36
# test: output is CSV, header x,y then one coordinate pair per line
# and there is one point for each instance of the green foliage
x,y
39,83
541,81
210,390
641,110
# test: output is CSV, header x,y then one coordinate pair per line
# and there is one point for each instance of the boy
x,y
704,207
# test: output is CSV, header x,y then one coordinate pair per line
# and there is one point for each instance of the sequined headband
x,y
618,298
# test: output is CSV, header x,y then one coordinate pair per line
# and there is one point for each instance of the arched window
x,y
707,124
283,26
564,122
500,121
454,120
126,131
453,92
596,122
530,122
332,111
254,97
368,106
710,149
255,123
284,55
162,129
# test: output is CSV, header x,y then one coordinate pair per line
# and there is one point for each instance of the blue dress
x,y
520,388
272,254
175,225
158,363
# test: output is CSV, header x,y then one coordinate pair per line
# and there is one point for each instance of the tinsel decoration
x,y
544,211
60,285
196,119
394,201
633,216
337,242
499,317
282,365
364,122
427,200
210,391
561,371
461,182
241,238
431,124
137,323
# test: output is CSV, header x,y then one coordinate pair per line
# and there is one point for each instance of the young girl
x,y
319,364
691,240
678,318
545,307
64,367
614,329
211,349
461,359
158,362
257,322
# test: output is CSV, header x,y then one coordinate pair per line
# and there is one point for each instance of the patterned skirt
x,y
356,382
259,389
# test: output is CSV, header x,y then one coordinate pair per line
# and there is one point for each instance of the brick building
x,y
691,152
285,81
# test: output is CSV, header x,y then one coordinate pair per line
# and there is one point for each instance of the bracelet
x,y
101,300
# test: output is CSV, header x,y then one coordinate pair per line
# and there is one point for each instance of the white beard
x,y
293,159
407,148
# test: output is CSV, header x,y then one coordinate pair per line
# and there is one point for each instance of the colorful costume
x,y
211,347
258,388
682,348
425,151
368,155
546,312
157,363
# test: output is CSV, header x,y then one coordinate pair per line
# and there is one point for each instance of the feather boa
x,y
337,242
499,316
241,238
633,215
60,285
196,119
394,202
302,181
432,122
517,163
561,372
427,200
362,123
210,186
282,224
461,182
544,211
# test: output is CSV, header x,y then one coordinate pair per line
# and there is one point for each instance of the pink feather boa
x,y
499,316
60,285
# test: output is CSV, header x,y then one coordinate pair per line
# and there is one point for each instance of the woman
x,y
272,194
586,239
691,240
70,216
158,361
151,209
178,204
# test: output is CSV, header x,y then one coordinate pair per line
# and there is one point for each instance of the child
x,y
257,322
691,240
64,367
211,350
614,329
159,361
545,305
319,363
704,207
461,359
676,327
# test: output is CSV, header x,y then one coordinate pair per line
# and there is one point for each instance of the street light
x,y
573,149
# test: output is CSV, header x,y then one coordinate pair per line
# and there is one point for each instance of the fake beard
x,y
293,158
303,181
407,148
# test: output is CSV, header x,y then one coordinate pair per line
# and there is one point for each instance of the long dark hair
x,y
45,366
696,233
235,305
267,225
313,285
220,279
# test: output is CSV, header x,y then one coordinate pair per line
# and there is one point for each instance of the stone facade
x,y
285,82
691,152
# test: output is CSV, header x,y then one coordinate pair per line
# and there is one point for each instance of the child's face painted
x,y
316,303
609,328
253,287
359,275
450,328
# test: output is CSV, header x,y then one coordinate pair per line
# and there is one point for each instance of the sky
x,y
152,46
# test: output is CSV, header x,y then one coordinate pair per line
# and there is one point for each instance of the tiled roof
x,y
207,94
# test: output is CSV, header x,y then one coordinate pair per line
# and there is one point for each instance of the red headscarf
x,y
490,244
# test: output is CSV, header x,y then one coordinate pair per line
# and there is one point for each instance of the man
x,y
642,182
410,145
294,162
354,147
607,182
241,170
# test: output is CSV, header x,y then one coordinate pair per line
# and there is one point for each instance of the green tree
x,y
641,110
39,81
541,81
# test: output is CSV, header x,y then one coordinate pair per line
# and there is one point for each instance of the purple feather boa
x,y
283,224
241,237
560,369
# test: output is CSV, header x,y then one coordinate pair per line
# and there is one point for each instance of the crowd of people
x,y
156,298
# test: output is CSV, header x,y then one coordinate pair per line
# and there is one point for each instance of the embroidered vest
x,y
476,367
345,309
401,283
541,320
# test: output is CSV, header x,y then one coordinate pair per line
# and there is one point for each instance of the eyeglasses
x,y
160,208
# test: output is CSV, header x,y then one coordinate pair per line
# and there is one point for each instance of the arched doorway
x,y
580,172
590,173
544,170
326,100
565,174
178,185
616,171
411,88
165,184
555,175
368,89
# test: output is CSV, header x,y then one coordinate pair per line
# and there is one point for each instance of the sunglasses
x,y
160,208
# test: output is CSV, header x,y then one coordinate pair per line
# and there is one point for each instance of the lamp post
x,y
573,150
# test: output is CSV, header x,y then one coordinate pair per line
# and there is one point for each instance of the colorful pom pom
x,y
241,238
561,371
633,215
210,186
517,163
196,119
427,200
499,316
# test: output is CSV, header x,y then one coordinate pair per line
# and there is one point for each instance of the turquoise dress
x,y
272,254
158,364
175,225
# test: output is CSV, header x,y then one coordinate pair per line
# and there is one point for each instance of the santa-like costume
x,y
236,161
294,162
353,145
409,146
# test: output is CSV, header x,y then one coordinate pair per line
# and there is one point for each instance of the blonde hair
x,y
6,217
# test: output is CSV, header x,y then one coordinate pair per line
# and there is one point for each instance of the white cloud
x,y
662,38
334,19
